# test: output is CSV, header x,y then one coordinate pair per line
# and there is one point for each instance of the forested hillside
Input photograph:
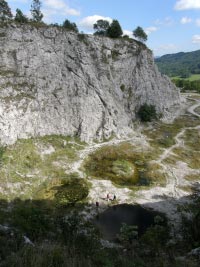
x,y
179,64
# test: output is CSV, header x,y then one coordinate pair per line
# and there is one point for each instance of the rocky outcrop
x,y
57,82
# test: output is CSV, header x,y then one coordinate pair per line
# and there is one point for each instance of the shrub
x,y
20,17
114,30
70,26
147,112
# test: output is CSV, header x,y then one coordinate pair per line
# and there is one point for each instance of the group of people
x,y
108,197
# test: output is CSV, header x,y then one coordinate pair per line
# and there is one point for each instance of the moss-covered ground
x,y
30,163
124,165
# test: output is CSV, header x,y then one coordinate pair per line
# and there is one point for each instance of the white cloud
x,y
165,49
186,20
89,21
151,29
60,7
196,39
19,1
168,21
129,33
187,4
198,22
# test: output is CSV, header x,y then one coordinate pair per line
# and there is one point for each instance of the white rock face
x,y
57,82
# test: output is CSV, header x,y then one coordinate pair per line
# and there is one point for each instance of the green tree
x,y
114,30
128,233
147,112
20,17
5,11
70,26
101,27
140,34
35,11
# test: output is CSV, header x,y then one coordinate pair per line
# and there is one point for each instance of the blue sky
x,y
172,25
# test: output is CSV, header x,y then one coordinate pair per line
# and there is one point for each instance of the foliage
x,y
114,30
128,233
72,190
101,27
140,34
147,112
179,64
187,85
5,11
20,17
36,11
71,26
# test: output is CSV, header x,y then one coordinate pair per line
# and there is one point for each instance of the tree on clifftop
x,y
71,26
20,17
35,11
115,30
140,34
101,27
5,11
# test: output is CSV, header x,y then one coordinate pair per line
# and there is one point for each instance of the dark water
x,y
110,221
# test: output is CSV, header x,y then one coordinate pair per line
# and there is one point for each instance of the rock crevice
x,y
58,82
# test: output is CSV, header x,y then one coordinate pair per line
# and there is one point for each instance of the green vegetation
x,y
188,84
30,164
193,77
180,64
69,189
36,11
20,17
162,134
115,54
124,166
147,112
104,28
114,30
101,27
122,87
5,11
70,26
140,34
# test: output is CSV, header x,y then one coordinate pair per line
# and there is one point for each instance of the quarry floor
x,y
168,198
30,163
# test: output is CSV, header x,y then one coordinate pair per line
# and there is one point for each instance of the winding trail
x,y
163,199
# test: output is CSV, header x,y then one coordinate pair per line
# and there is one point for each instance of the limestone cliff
x,y
58,82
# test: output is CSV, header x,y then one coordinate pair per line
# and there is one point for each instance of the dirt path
x,y
163,199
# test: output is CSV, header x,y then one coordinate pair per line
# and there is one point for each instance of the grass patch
x,y
192,139
28,163
192,177
68,190
162,135
123,166
193,77
192,158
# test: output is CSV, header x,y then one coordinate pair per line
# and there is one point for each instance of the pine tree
x,y
115,30
20,17
140,34
101,27
70,26
35,11
5,11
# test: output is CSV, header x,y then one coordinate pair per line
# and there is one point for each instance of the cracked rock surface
x,y
54,81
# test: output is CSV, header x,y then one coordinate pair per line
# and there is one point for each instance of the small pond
x,y
110,221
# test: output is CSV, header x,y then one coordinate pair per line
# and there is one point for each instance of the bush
x,y
70,26
20,17
114,30
147,112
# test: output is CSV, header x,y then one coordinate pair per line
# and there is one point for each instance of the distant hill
x,y
179,64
